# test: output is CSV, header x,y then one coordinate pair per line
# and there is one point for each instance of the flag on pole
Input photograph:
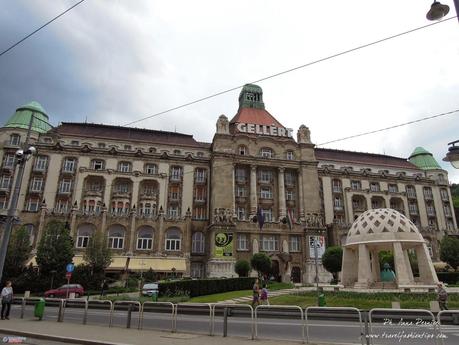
x,y
260,218
290,219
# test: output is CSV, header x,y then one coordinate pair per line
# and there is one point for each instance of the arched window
x,y
145,238
290,155
266,152
197,243
84,232
173,239
116,237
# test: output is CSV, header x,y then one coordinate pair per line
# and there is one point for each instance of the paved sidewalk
x,y
100,335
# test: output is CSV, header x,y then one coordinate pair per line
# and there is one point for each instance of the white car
x,y
149,289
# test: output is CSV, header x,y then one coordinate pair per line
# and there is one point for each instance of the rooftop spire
x,y
251,96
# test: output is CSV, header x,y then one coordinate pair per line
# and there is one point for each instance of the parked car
x,y
149,289
60,292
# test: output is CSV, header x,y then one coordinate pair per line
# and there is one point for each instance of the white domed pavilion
x,y
384,229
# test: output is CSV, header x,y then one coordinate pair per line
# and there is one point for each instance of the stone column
x,y
41,224
161,245
300,195
427,272
364,268
375,266
74,213
349,267
400,265
408,266
253,191
108,190
282,204
187,247
233,186
132,239
104,219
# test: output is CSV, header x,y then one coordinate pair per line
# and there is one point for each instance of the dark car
x,y
62,291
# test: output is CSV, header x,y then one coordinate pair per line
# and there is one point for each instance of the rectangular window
x,y
289,178
97,164
33,205
125,167
410,192
200,176
122,188
356,185
444,194
393,188
101,145
62,206
151,169
5,182
69,165
200,193
82,241
242,242
8,161
413,208
337,187
338,203
241,213
268,214
294,244
269,243
289,195
174,193
199,213
266,193
74,143
65,186
37,184
374,187
115,242
266,153
128,147
176,174
144,244
173,211
3,203
41,163
266,176
428,193
290,155
240,175
173,244
430,210
15,139
240,191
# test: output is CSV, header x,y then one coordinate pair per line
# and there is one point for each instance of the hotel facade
x,y
187,208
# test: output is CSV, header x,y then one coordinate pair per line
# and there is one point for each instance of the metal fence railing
x,y
280,307
97,304
130,305
194,305
455,320
157,304
230,306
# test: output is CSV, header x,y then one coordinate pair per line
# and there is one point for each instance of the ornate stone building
x,y
187,208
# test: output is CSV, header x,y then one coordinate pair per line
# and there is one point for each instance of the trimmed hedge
x,y
203,287
448,277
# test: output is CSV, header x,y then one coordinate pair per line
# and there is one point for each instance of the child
x,y
264,295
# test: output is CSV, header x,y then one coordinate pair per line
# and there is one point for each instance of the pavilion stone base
x,y
310,273
221,268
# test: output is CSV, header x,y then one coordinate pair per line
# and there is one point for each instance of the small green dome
x,y
423,159
21,118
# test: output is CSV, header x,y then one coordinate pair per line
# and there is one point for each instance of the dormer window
x,y
242,150
200,154
152,150
125,167
177,152
266,152
15,139
290,155
101,145
75,143
127,147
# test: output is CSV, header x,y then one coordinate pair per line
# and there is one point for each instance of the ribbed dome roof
x,y
383,225
423,159
21,118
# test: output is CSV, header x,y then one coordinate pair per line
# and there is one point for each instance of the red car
x,y
62,291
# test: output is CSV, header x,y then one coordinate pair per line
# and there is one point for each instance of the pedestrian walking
x,y
104,288
442,297
7,298
256,293
264,295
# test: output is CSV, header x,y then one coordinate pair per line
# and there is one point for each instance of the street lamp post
x,y
316,263
453,154
22,155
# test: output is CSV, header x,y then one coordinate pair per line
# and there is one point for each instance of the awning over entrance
x,y
157,264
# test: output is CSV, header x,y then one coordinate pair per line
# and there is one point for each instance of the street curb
x,y
58,338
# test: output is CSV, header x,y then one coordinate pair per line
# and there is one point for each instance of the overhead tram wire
x,y
166,175
41,27
391,127
366,45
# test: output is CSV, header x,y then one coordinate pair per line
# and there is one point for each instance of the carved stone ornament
x,y
222,125
314,220
223,215
304,135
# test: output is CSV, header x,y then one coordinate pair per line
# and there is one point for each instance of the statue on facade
x,y
222,125
304,135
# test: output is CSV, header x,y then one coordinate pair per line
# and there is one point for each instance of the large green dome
x,y
423,159
21,118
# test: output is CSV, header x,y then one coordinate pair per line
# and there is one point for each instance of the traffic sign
x,y
68,275
70,268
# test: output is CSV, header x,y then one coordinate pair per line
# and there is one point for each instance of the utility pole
x,y
21,156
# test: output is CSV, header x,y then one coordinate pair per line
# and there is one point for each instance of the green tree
x,y
449,251
97,254
386,256
55,250
261,263
332,260
242,268
18,253
150,276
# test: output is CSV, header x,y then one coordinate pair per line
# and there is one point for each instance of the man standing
x,y
7,298
255,293
442,297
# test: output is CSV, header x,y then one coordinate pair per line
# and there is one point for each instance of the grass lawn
x,y
235,294
365,301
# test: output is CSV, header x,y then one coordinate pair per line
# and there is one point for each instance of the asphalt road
x,y
392,330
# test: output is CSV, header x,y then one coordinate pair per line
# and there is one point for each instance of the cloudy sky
x,y
116,61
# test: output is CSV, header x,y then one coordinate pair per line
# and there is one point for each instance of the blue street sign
x,y
70,267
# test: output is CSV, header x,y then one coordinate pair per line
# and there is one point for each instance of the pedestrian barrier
x,y
76,301
129,304
100,302
439,315
191,305
334,309
172,305
280,307
233,306
390,312
19,301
